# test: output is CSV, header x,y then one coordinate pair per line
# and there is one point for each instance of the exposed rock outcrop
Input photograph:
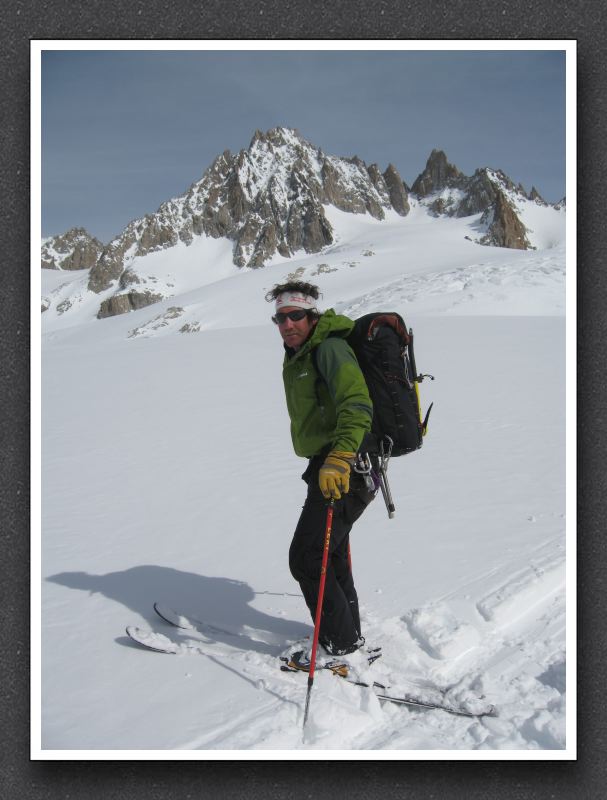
x,y
537,197
480,194
397,191
75,249
123,303
505,228
112,262
438,174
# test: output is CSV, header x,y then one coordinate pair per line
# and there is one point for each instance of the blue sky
x,y
123,131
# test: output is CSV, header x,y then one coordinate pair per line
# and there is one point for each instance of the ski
x,y
158,642
187,623
380,691
211,631
408,700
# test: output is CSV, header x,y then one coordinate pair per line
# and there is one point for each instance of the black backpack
x,y
384,349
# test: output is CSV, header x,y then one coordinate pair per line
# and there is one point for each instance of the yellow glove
x,y
334,475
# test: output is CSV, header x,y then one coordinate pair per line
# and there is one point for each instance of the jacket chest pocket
x,y
300,380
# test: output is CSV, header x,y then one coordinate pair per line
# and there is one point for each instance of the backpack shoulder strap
x,y
326,346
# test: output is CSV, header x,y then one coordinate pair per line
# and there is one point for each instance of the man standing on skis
x,y
330,411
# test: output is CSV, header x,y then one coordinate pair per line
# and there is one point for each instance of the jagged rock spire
x,y
438,174
505,228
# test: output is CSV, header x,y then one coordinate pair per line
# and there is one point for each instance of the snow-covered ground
x,y
168,475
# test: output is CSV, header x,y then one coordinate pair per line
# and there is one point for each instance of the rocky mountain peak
x,y
438,174
537,197
446,191
75,249
277,137
268,198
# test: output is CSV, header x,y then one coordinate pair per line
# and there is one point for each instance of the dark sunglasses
x,y
294,316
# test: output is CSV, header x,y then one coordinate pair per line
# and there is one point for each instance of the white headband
x,y
295,299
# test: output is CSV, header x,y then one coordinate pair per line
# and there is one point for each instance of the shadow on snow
x,y
220,601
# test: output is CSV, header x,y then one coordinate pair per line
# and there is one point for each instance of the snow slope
x,y
168,475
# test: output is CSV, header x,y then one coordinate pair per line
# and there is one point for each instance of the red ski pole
x,y
321,593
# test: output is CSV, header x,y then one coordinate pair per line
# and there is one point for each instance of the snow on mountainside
x,y
274,201
420,258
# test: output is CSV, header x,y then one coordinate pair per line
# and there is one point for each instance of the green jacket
x,y
328,401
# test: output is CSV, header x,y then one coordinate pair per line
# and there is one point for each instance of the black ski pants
x,y
340,620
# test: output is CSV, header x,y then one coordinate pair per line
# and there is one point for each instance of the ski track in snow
x,y
462,286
